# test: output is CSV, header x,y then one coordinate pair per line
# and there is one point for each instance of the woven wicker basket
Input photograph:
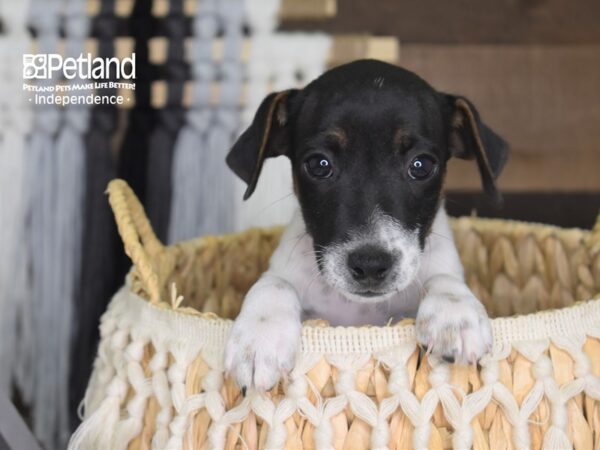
x,y
159,383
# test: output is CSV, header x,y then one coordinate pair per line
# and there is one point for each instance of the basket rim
x,y
507,224
578,319
581,318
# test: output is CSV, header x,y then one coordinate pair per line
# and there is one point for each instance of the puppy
x,y
370,244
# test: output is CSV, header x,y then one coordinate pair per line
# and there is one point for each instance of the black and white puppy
x,y
368,143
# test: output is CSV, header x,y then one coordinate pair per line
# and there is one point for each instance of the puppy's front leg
x,y
265,337
451,322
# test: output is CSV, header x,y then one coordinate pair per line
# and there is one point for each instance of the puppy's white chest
x,y
322,302
294,260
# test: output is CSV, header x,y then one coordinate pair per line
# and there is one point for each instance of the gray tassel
x,y
202,184
15,122
56,218
189,175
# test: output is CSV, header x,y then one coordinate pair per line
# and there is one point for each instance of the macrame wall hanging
x,y
215,212
184,218
206,198
133,154
170,120
278,61
15,122
56,155
98,275
70,159
201,190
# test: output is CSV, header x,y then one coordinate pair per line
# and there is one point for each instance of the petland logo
x,y
47,66
50,79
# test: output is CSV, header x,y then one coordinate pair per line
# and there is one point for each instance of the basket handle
x,y
141,244
596,229
595,236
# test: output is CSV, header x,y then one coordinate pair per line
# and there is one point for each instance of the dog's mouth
x,y
370,294
340,279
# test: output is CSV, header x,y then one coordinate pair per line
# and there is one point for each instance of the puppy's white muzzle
x,y
375,263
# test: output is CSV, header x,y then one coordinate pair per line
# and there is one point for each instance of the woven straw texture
x,y
159,383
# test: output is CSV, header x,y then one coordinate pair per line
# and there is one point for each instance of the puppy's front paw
x,y
454,327
261,350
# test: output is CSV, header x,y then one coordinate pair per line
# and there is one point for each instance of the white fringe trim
x,y
131,322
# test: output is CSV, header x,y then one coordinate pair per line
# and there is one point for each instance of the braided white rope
x,y
419,413
162,391
184,405
130,321
108,386
104,371
296,400
129,427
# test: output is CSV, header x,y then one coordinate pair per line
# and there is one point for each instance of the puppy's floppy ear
x,y
470,138
267,136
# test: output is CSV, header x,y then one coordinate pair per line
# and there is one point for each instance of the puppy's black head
x,y
369,143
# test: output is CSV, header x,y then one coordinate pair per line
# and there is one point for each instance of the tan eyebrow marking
x,y
339,135
401,139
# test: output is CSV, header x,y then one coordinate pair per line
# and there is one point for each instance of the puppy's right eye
x,y
421,167
319,166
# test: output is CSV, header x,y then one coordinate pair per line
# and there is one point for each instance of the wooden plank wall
x,y
543,99
532,67
467,21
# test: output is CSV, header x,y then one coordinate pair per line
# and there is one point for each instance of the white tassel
x,y
555,438
45,316
97,430
56,217
15,120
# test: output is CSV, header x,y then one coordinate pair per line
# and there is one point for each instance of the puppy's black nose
x,y
370,264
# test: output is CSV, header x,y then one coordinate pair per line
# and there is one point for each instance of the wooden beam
x,y
572,171
467,21
565,209
307,9
349,48
290,9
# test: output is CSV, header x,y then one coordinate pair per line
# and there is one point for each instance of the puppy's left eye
x,y
319,167
421,167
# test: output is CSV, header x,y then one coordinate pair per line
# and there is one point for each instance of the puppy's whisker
x,y
270,205
302,236
441,235
308,286
313,252
420,287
